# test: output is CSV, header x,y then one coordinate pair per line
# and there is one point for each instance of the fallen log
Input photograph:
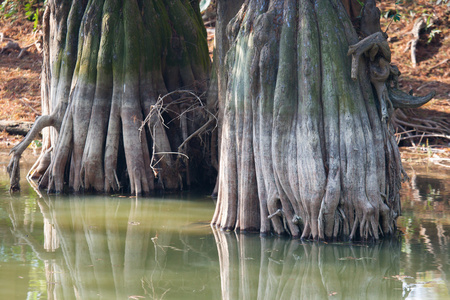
x,y
15,127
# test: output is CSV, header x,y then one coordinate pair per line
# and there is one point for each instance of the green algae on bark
x,y
106,65
326,165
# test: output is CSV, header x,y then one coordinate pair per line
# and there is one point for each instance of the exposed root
x,y
105,63
416,130
13,166
41,165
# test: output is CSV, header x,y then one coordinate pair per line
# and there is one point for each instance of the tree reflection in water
x,y
109,248
425,223
120,248
275,268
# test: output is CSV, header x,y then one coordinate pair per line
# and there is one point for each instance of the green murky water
x,y
123,248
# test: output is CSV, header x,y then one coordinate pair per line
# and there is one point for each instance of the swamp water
x,y
102,247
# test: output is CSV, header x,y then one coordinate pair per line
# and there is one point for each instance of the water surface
x,y
111,247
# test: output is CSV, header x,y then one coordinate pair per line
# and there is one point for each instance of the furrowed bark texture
x,y
304,148
108,65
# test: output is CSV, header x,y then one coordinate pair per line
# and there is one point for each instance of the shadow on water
x,y
123,248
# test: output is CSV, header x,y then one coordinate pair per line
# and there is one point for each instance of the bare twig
x,y
196,133
278,213
176,153
438,160
412,128
426,135
160,107
26,102
439,64
425,84
13,45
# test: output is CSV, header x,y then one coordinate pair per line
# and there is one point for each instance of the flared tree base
x,y
108,66
306,149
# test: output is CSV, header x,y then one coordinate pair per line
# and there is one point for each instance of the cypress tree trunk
x,y
306,145
108,65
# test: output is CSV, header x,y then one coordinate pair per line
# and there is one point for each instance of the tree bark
x,y
306,147
107,65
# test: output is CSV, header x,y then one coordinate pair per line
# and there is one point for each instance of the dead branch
x,y
197,132
438,161
159,108
438,64
12,45
413,128
418,25
278,213
26,102
186,103
418,126
426,135
425,85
